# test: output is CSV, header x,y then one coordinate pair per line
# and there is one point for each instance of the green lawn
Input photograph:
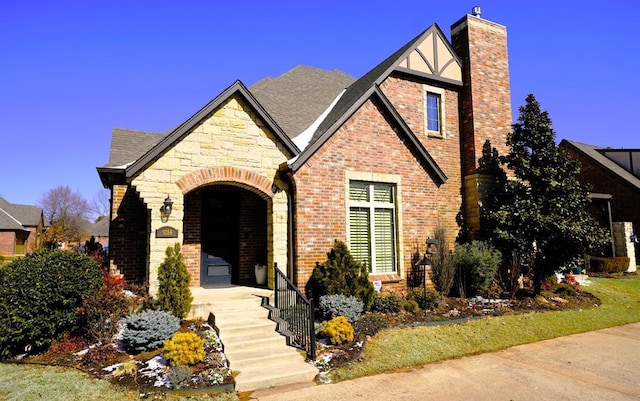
x,y
401,348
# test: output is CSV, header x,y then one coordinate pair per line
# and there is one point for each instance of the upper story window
x,y
372,225
434,112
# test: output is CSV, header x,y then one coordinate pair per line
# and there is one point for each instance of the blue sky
x,y
70,71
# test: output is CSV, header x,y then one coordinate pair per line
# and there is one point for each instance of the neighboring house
x,y
612,177
21,228
275,173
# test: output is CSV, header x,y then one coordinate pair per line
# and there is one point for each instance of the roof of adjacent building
x,y
18,217
593,152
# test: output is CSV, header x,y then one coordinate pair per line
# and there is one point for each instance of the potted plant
x,y
261,274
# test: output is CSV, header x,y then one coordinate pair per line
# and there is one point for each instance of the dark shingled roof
x,y
298,97
592,152
14,216
128,145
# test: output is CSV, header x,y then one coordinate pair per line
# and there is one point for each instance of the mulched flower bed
x,y
146,371
450,310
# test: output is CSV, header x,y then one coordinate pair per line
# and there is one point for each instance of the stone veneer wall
x,y
623,246
229,146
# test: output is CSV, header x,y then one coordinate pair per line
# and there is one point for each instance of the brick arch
x,y
228,175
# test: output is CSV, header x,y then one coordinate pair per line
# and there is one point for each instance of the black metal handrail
x,y
296,312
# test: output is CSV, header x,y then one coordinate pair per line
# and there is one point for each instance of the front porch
x,y
257,353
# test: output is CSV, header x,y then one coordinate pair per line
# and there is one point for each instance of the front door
x,y
220,239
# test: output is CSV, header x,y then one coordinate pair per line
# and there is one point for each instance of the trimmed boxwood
x,y
616,264
40,295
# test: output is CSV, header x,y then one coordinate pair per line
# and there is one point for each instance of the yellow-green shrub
x,y
338,330
184,349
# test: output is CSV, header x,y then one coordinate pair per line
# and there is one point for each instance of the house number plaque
x,y
166,232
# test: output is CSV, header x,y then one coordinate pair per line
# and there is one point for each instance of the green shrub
x,y
372,323
178,376
386,303
174,294
337,330
147,330
426,298
617,264
40,295
339,305
443,267
476,263
340,274
184,349
565,289
411,306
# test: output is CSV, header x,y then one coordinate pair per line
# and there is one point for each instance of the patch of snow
x,y
302,140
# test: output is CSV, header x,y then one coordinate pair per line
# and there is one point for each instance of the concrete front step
x,y
260,377
257,353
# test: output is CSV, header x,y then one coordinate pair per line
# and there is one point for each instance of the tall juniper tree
x,y
541,213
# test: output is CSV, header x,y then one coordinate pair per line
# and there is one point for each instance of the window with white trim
x,y
372,225
434,111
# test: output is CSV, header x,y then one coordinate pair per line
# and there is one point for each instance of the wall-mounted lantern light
x,y
634,238
167,206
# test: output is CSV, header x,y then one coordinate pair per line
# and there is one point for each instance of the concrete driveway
x,y
599,365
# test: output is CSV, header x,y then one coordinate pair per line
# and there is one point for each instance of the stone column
x,y
622,232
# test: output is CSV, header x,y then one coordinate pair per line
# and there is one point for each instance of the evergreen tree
x,y
541,213
174,294
340,274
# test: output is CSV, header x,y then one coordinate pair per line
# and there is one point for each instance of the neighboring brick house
x,y
612,177
275,173
21,228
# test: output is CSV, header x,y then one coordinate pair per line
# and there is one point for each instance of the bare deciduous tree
x,y
65,210
101,204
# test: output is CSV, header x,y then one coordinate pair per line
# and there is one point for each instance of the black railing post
x,y
296,310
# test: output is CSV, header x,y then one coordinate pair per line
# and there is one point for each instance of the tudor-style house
x,y
275,172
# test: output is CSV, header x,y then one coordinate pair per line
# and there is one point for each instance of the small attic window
x,y
434,111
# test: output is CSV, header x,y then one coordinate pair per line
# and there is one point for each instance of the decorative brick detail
x,y
227,174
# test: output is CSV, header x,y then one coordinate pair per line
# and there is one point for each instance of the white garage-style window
x,y
372,225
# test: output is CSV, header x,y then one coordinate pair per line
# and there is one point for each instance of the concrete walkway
x,y
599,365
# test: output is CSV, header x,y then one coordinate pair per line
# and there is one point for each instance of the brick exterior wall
x,y
321,185
129,231
625,204
485,102
7,242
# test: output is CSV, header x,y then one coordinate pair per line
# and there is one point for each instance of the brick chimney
x,y
485,101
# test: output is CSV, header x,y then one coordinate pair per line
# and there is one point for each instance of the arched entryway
x,y
232,234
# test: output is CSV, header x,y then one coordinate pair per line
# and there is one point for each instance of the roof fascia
x,y
183,129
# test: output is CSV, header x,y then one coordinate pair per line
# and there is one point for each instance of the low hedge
x,y
616,264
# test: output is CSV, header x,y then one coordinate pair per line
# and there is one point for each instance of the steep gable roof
x,y
126,172
297,97
592,152
14,216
